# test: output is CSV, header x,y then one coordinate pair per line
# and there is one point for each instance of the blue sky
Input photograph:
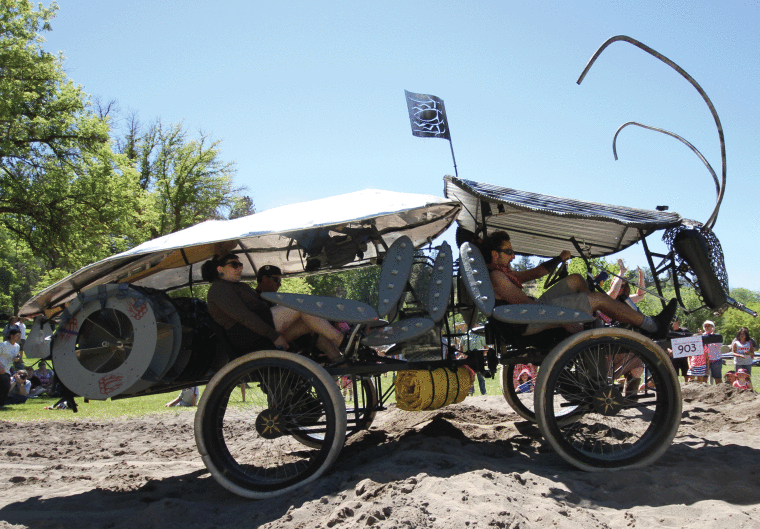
x,y
308,97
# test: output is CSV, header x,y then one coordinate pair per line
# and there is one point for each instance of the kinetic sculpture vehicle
x,y
271,421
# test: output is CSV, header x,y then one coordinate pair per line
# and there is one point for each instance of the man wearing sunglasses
x,y
251,322
570,292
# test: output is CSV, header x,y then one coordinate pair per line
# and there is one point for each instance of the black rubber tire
x,y
521,403
245,458
631,430
524,403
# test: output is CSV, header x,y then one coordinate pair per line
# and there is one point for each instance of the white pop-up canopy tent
x,y
342,231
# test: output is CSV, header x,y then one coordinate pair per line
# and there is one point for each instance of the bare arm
x,y
640,292
529,275
540,270
617,283
614,290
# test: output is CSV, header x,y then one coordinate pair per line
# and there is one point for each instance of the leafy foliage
x,y
65,193
360,284
186,178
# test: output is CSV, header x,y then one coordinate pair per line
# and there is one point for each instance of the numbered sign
x,y
689,346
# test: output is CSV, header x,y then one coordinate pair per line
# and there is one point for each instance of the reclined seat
x,y
394,276
507,322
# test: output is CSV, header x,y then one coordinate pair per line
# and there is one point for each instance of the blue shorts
x,y
716,369
697,371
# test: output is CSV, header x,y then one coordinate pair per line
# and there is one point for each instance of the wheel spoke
x,y
283,433
615,423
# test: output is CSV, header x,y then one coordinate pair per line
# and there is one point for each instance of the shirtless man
x,y
571,292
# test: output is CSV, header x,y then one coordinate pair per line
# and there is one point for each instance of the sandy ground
x,y
470,465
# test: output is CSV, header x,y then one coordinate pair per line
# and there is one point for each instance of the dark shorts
x,y
681,366
245,341
716,368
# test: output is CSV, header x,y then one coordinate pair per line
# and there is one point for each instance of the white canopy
x,y
320,234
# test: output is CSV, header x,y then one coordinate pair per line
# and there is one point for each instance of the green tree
x,y
187,180
19,271
360,284
65,194
522,263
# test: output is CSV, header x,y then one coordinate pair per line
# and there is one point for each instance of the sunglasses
x,y
508,252
234,264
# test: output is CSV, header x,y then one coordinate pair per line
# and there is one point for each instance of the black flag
x,y
427,115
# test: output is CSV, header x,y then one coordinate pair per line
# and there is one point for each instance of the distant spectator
x,y
476,342
680,364
36,389
186,397
9,350
743,380
743,350
525,382
46,378
698,367
714,356
12,324
346,385
621,290
18,363
20,388
22,328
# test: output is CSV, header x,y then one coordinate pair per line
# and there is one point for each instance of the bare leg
x,y
328,347
601,301
324,328
299,328
284,318
615,309
291,324
576,282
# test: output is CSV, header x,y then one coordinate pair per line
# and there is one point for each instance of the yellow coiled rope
x,y
430,390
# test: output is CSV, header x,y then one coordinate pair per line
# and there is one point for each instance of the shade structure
x,y
364,222
545,225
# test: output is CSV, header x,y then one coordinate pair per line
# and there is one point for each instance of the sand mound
x,y
475,464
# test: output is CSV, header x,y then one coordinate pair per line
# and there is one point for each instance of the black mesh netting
x,y
715,255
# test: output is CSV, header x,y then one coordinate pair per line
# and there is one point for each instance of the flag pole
x,y
452,157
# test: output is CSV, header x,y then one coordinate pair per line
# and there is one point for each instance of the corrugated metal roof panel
x,y
544,225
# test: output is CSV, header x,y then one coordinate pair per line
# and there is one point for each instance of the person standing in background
x,y
713,342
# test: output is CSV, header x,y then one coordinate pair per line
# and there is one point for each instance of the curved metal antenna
x,y
676,136
711,221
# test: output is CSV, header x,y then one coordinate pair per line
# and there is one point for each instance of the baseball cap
x,y
708,322
268,270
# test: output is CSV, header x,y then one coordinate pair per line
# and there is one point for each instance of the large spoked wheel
x,y
520,393
626,394
252,446
358,418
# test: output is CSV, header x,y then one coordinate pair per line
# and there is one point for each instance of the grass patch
x,y
121,409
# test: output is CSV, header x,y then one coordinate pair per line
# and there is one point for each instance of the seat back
x,y
440,283
394,274
477,280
